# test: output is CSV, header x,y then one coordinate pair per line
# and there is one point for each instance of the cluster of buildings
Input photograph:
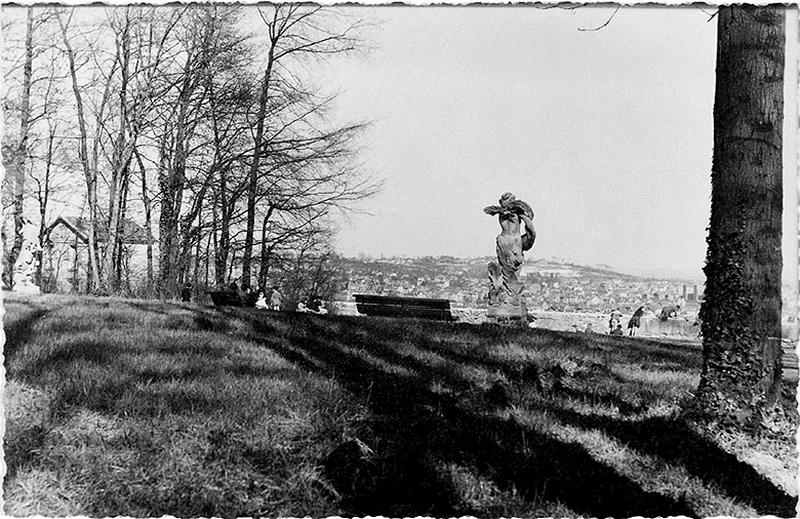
x,y
550,284
455,279
587,291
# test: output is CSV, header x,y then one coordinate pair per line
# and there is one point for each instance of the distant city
x,y
551,284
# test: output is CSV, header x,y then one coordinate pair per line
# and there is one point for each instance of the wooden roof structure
x,y
132,232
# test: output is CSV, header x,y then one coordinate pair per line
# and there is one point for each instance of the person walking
x,y
636,321
276,299
186,293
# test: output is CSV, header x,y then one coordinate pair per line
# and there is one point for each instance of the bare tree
x,y
17,169
292,30
207,33
90,174
169,97
141,50
45,181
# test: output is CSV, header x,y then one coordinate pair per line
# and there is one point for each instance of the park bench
x,y
225,298
392,306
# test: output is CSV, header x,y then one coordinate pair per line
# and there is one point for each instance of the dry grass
x,y
124,407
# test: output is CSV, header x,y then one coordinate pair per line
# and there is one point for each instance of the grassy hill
x,y
136,408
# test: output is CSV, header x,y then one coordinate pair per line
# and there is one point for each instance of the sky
x,y
607,134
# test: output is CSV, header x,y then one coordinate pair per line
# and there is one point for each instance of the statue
x,y
25,267
506,302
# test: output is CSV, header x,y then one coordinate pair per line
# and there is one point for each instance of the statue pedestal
x,y
508,315
26,289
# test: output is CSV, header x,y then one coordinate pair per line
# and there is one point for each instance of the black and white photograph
x,y
316,260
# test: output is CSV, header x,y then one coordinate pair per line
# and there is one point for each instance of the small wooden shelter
x,y
66,253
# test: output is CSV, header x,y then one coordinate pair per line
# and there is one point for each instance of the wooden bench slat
x,y
400,301
397,306
225,298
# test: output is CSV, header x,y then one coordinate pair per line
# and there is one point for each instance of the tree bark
x,y
44,198
172,180
121,265
18,174
264,269
93,279
741,313
120,160
171,184
215,243
148,224
253,181
227,208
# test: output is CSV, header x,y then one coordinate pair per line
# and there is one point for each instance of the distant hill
x,y
557,266
682,274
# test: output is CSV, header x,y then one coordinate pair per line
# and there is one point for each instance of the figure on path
x,y
636,321
247,295
186,293
261,301
614,321
506,288
669,311
275,299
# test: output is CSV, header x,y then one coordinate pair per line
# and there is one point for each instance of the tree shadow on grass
x,y
685,357
19,330
21,447
418,432
673,441
85,351
20,444
420,428
669,439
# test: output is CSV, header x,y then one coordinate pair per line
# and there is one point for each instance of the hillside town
x,y
551,284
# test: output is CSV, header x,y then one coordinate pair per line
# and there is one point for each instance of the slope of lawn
x,y
136,408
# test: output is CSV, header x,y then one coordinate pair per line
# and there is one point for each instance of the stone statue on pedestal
x,y
506,303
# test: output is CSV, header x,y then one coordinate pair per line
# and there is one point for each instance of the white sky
x,y
607,134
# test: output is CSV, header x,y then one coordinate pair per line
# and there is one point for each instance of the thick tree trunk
x,y
171,185
172,180
18,173
741,313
